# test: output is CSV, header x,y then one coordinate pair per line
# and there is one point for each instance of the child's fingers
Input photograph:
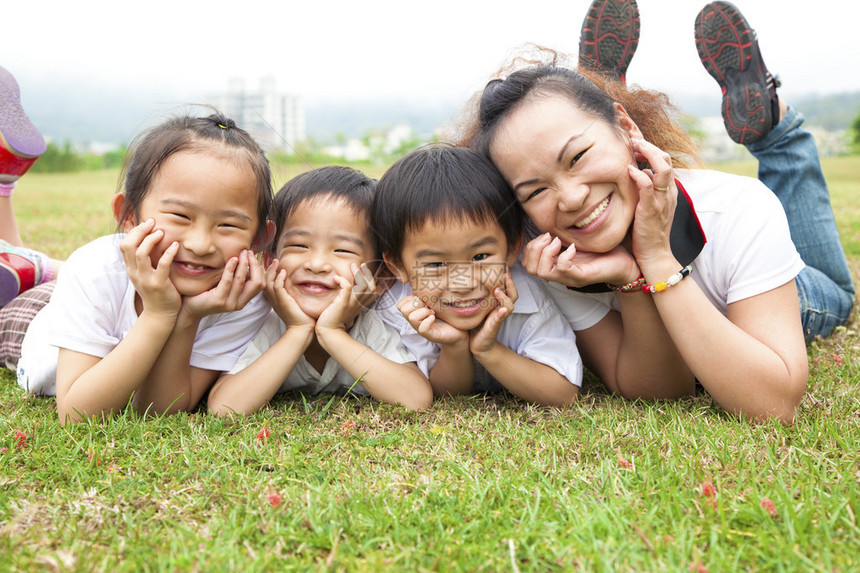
x,y
426,325
510,287
162,270
408,304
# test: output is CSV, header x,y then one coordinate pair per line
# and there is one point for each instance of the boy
x,y
316,339
450,230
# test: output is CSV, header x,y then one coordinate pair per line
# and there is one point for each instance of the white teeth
x,y
594,214
195,267
462,304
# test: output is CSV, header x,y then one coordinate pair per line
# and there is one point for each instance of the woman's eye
x,y
535,193
481,256
180,215
577,157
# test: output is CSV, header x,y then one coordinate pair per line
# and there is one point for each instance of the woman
x,y
596,168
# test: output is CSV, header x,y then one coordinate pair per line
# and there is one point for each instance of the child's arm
x,y
248,390
384,379
454,372
522,376
89,385
174,385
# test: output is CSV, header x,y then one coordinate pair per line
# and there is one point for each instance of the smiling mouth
x,y
315,288
193,268
598,211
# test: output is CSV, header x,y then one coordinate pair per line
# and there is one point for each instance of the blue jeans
x,y
788,164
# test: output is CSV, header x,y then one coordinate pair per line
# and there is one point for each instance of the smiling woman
x,y
595,166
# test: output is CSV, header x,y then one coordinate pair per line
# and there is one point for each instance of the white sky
x,y
339,49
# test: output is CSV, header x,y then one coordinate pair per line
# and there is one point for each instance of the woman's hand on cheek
x,y
658,196
284,305
543,257
241,281
153,284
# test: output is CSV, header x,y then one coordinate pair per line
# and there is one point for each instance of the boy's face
x,y
321,239
454,268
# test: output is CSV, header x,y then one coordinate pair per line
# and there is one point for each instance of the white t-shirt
x,y
368,329
92,310
535,329
748,251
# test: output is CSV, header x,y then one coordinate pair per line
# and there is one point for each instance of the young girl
x,y
153,315
595,166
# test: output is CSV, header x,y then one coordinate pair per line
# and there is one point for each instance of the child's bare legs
x,y
20,145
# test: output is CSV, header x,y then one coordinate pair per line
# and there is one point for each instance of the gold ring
x,y
661,188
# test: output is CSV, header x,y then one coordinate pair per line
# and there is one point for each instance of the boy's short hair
x,y
349,185
441,182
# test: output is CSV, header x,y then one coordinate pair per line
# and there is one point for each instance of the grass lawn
x,y
478,483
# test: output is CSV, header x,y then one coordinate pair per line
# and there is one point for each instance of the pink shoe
x,y
20,142
20,270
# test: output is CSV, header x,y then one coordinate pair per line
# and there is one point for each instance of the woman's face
x,y
569,169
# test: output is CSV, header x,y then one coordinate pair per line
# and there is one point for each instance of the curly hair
x,y
547,74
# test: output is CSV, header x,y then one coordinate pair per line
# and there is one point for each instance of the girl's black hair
x,y
334,181
441,182
215,133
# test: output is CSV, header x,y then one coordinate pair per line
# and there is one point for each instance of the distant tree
x,y
855,134
58,159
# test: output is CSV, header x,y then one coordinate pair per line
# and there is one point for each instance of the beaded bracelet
x,y
629,287
671,281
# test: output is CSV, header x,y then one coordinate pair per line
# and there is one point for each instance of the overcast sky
x,y
340,49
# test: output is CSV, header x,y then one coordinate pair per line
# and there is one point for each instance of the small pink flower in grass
x,y
275,499
838,360
709,492
624,463
263,434
817,360
93,457
20,440
697,567
347,427
769,507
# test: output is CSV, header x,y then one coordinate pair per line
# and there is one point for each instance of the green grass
x,y
478,484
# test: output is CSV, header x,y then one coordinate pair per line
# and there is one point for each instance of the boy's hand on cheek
x,y
424,321
341,313
366,290
153,284
241,281
284,305
483,339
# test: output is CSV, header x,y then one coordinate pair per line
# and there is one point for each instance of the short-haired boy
x,y
450,230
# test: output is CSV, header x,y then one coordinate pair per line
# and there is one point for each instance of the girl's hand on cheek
x,y
422,318
284,305
241,280
658,196
483,339
153,284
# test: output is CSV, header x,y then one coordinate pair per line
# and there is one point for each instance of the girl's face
x,y
206,203
321,239
569,170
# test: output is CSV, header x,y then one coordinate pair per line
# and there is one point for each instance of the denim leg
x,y
789,166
